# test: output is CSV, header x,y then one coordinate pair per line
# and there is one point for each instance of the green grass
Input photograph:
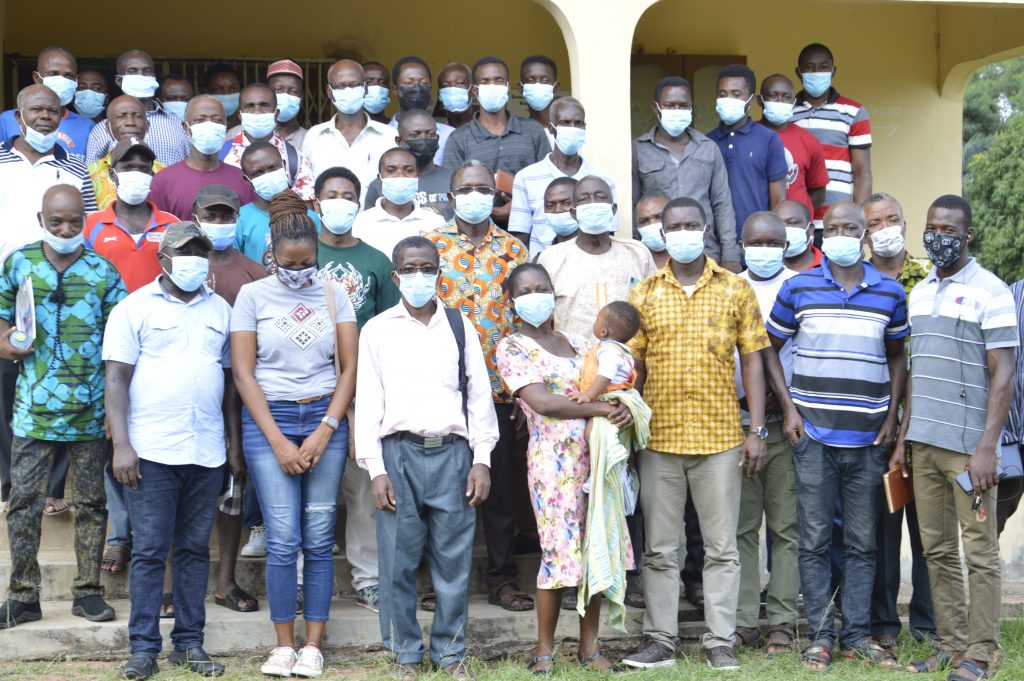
x,y
756,667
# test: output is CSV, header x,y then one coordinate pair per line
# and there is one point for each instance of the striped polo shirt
x,y
840,373
955,322
840,124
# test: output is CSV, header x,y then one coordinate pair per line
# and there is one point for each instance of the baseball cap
x,y
180,233
284,66
124,146
216,195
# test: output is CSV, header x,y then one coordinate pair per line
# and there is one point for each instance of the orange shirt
x,y
134,255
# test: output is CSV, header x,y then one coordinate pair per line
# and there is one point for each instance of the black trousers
x,y
499,511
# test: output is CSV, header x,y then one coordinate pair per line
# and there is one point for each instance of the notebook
x,y
899,491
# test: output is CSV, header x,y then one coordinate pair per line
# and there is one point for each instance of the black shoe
x,y
569,598
695,595
13,613
140,666
651,655
92,608
197,661
722,658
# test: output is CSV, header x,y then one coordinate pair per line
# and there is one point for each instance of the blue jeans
x,y
172,505
120,533
299,510
853,475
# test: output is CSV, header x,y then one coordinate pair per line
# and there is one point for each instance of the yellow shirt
x,y
688,343
103,186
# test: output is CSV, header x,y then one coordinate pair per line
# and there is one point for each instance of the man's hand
x,y
383,493
500,213
793,426
289,457
982,465
887,433
478,484
620,415
8,351
126,466
732,266
313,446
755,453
236,462
899,457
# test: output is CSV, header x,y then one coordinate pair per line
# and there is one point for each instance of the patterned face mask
x,y
943,250
296,278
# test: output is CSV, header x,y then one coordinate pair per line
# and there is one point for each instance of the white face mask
x,y
887,242
133,186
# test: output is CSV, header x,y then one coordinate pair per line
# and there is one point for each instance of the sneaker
x,y
256,547
13,613
309,663
92,608
368,597
651,655
336,550
722,658
280,662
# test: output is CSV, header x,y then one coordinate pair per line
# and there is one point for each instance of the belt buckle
x,y
433,442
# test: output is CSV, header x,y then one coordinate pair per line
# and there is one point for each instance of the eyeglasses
x,y
485,190
429,270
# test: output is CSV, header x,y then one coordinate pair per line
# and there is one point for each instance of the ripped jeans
x,y
299,510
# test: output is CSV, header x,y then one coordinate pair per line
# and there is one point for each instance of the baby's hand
x,y
580,398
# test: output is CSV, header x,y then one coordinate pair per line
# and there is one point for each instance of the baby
x,y
608,366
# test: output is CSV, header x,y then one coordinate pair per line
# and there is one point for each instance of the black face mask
x,y
423,148
414,97
942,250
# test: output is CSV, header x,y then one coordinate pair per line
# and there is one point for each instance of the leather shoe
x,y
197,661
140,666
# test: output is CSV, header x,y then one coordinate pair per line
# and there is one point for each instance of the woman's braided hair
x,y
289,220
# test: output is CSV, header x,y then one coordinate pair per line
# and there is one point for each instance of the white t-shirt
x,y
614,361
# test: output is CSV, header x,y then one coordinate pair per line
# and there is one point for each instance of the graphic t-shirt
x,y
365,273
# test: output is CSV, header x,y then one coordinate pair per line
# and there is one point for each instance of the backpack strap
x,y
293,163
332,311
454,318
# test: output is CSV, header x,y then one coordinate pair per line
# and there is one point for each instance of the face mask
x,y
37,140
569,139
675,121
684,246
474,207
133,186
492,98
296,278
842,250
258,125
778,113
414,97
269,185
455,99
208,137
64,87
229,102
287,106
595,218
731,110
942,250
222,235
423,148
538,95
816,83
62,245
887,242
651,237
188,272
399,190
89,103
764,261
797,238
376,99
562,224
418,289
337,215
349,100
535,308
138,86
177,108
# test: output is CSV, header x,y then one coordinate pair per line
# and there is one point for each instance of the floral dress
x,y
557,459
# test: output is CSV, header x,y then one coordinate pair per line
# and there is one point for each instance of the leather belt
x,y
427,442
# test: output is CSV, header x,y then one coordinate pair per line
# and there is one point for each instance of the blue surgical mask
x,y
492,98
258,125
377,98
764,261
535,308
287,106
175,107
296,279
417,288
731,110
651,237
842,250
230,102
349,100
337,215
570,139
675,121
399,190
455,99
222,235
778,113
188,272
816,83
89,103
562,224
37,140
474,207
684,246
208,136
62,245
64,87
538,96
595,218
139,86
797,238
269,185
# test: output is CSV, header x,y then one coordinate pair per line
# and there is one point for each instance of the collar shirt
x,y
325,147
444,131
166,137
103,186
383,231
300,173
134,255
520,144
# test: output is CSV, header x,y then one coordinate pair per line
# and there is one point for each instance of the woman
x,y
541,367
295,370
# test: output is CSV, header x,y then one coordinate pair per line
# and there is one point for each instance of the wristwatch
x,y
331,421
761,432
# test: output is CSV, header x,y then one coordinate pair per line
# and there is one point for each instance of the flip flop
x,y
234,599
115,558
52,503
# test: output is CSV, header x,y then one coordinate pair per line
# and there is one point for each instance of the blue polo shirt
x,y
754,156
72,135
840,373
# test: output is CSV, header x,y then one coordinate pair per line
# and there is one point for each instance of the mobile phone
x,y
964,479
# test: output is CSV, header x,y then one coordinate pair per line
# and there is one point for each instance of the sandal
x,y
115,558
817,657
585,663
534,666
935,662
511,598
887,641
748,637
55,506
234,598
871,654
428,603
973,668
635,600
780,640
166,606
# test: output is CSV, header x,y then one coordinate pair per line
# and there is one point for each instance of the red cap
x,y
284,66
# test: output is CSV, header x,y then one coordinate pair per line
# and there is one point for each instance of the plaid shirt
x,y
165,137
303,183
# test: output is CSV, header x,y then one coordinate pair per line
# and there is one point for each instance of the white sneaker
x,y
280,663
309,664
256,547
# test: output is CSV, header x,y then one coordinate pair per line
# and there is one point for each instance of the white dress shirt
x,y
326,147
383,231
444,131
400,390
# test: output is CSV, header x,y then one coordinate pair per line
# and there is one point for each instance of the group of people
x,y
224,303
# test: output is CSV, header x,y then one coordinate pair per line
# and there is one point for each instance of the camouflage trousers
x,y
31,462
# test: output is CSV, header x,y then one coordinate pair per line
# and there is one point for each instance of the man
x,y
807,175
696,438
1012,487
839,123
674,159
258,106
418,133
965,332
57,69
378,90
768,496
568,125
801,253
505,142
596,267
91,96
285,79
453,85
754,158
74,291
174,188
136,76
886,229
849,374
538,83
648,226
476,259
558,210
169,444
221,82
175,92
412,80
127,120
349,139
395,215
427,449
